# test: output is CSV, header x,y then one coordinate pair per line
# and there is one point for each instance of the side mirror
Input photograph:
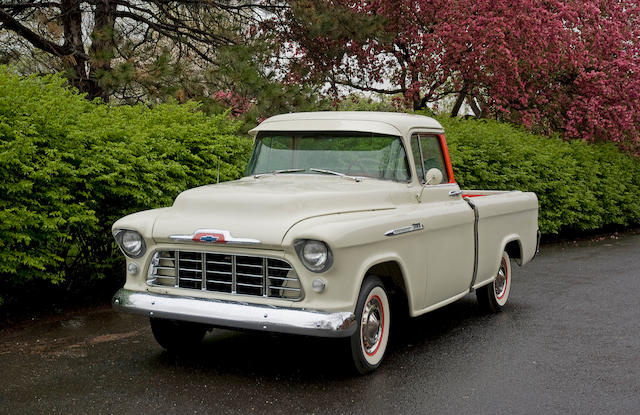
x,y
434,176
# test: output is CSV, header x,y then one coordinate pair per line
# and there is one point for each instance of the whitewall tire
x,y
493,297
373,314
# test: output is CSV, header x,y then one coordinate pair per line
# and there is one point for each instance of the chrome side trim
x,y
222,237
405,229
476,241
236,314
538,237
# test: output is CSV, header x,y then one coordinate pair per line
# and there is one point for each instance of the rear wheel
x,y
493,297
176,336
373,314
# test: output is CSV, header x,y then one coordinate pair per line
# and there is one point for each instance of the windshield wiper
x,y
335,173
273,173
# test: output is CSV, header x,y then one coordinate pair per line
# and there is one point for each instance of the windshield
x,y
350,153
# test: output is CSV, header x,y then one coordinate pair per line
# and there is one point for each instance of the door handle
x,y
455,193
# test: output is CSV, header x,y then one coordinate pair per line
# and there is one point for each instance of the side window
x,y
415,149
428,155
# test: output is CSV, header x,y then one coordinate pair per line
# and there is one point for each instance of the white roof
x,y
391,123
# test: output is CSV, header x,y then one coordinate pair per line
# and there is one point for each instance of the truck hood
x,y
265,208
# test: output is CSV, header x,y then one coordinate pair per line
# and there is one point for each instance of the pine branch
x,y
10,23
34,5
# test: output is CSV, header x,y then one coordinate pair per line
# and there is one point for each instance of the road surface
x,y
567,343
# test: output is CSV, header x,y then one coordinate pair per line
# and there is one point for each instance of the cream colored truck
x,y
343,221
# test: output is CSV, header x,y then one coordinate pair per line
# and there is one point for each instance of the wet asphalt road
x,y
568,342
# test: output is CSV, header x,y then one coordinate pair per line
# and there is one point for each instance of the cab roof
x,y
389,123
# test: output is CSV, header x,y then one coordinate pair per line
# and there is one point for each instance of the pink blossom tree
x,y
570,66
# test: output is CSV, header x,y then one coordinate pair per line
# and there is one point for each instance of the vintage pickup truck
x,y
342,221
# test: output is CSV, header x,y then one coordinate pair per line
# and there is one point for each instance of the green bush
x,y
581,187
69,168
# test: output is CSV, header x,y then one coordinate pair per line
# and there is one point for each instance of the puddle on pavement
x,y
74,323
71,336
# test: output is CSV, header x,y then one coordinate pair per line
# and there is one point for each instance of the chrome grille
x,y
225,273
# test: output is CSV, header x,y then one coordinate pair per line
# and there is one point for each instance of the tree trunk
x,y
417,102
460,99
474,107
75,63
102,48
458,104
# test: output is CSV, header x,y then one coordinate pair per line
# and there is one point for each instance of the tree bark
x,y
102,49
416,102
11,23
474,107
76,61
458,104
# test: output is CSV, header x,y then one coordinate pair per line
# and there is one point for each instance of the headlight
x,y
315,255
131,242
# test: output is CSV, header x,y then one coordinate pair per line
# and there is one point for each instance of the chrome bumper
x,y
236,314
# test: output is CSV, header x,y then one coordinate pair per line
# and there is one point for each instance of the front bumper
x,y
236,314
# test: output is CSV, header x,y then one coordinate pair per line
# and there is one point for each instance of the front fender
x,y
358,243
141,222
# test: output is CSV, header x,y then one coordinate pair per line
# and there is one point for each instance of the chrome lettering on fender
x,y
405,229
213,236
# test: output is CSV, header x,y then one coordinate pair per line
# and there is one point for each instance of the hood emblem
x,y
213,236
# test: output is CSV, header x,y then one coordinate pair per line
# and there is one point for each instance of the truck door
x,y
448,223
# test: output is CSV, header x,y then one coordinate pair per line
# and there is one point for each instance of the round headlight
x,y
315,255
131,243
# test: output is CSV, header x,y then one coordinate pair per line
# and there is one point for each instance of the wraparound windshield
x,y
351,153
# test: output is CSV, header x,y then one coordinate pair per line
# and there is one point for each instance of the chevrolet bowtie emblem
x,y
213,236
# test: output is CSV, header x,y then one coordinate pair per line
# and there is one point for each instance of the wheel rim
x,y
372,325
500,283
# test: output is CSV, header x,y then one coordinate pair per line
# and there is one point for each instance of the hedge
x,y
69,168
581,187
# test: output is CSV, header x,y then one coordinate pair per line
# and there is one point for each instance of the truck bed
x,y
502,217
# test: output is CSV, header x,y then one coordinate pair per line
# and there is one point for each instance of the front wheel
x,y
492,297
373,314
177,336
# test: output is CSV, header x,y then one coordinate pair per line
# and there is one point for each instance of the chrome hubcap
x,y
500,284
371,326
